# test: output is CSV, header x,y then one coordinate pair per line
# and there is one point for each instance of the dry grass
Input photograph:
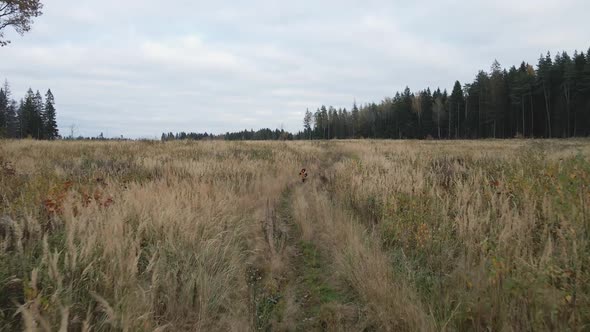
x,y
224,236
491,235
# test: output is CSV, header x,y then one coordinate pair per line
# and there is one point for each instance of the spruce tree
x,y
426,118
37,129
578,96
50,123
27,116
10,117
3,113
354,113
22,117
568,90
456,105
519,95
437,110
498,100
584,90
307,119
544,82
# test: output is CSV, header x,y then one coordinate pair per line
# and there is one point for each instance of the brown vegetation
x,y
214,235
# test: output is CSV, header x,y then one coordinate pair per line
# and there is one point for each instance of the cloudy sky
x,y
141,67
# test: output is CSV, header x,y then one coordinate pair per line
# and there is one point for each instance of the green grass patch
x,y
315,289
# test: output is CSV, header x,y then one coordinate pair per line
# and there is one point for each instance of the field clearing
x,y
214,235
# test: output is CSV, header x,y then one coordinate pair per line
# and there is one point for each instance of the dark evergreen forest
x,y
30,117
549,101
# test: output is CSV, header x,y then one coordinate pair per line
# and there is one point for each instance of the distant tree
x,y
417,108
481,87
18,14
567,87
37,128
456,102
407,119
8,118
517,94
544,82
579,61
438,110
468,122
354,114
49,119
497,100
3,112
426,118
584,99
26,115
325,121
346,125
307,120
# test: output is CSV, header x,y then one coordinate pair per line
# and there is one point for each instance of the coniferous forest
x,y
30,117
549,101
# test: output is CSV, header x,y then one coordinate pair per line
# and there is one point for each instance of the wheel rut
x,y
296,293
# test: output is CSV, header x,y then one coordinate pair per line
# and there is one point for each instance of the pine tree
x,y
37,129
307,119
470,124
10,117
519,95
579,61
3,114
417,108
529,85
481,92
426,118
22,117
456,102
325,121
567,87
355,120
28,118
498,99
584,90
515,102
544,82
437,110
340,124
50,124
408,120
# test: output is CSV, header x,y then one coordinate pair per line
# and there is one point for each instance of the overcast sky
x,y
141,67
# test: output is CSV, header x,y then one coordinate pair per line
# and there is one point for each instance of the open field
x,y
211,235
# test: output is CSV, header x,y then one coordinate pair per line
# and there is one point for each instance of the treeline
x,y
265,134
552,100
30,117
183,136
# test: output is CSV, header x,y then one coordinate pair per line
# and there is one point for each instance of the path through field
x,y
337,277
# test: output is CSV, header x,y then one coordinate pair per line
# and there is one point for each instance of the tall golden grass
x,y
384,235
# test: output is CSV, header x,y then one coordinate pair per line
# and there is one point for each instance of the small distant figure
x,y
303,174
